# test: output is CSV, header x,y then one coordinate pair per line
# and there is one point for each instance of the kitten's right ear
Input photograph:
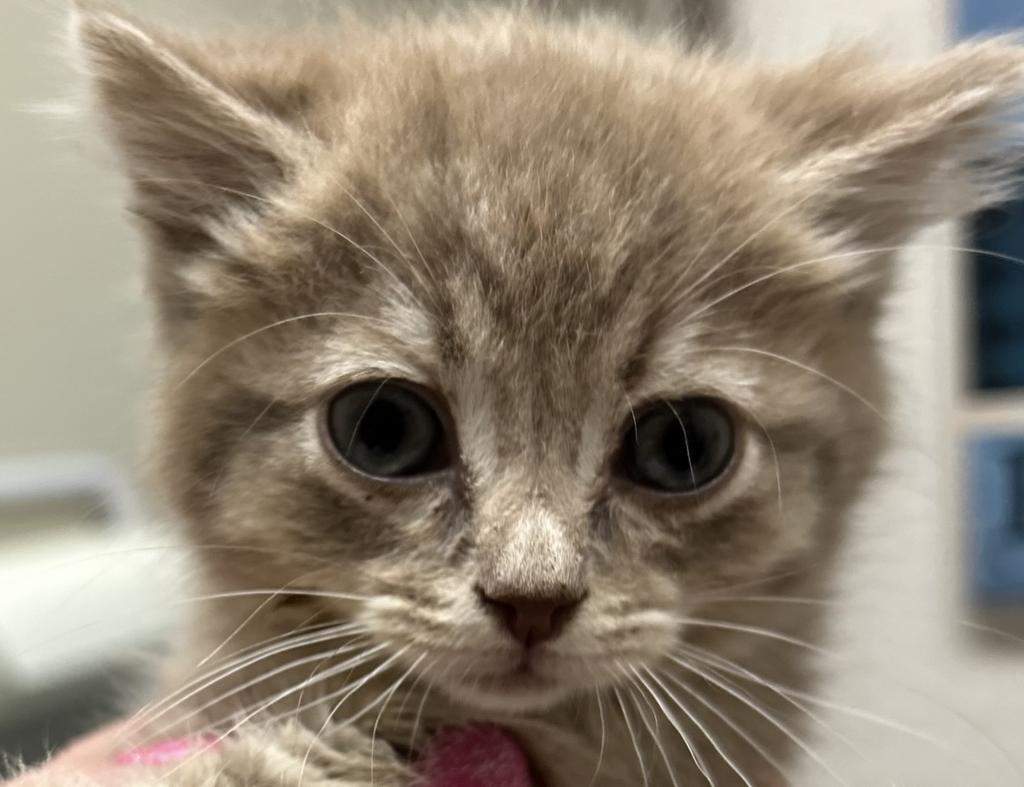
x,y
195,149
883,150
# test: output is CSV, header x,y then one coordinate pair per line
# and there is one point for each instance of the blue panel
x,y
995,476
988,16
995,313
997,306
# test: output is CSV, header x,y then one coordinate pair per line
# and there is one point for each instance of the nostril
x,y
503,609
564,611
531,619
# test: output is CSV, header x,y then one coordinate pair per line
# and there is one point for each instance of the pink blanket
x,y
476,756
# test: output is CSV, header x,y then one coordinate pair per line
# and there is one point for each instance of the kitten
x,y
503,358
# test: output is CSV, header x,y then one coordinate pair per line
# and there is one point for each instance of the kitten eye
x,y
679,446
386,430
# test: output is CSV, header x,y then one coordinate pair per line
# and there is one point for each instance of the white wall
x,y
72,322
70,349
905,653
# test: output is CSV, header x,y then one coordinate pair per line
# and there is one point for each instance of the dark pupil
x,y
382,429
385,431
680,447
674,444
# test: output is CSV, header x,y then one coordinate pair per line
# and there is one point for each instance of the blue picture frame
x,y
996,312
995,490
994,459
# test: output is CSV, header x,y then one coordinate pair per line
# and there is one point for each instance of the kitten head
x,y
515,341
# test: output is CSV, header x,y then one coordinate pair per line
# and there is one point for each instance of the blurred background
x,y
928,681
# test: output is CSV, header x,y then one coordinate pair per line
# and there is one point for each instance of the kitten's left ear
x,y
194,144
881,151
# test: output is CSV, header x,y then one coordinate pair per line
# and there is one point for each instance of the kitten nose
x,y
532,619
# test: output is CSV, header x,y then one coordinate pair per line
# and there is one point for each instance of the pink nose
x,y
532,619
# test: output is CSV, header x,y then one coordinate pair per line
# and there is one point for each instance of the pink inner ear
x,y
482,756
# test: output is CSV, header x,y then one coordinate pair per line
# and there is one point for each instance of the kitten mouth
x,y
524,667
524,670
519,688
522,678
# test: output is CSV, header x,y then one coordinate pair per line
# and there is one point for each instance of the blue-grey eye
x,y
679,446
386,430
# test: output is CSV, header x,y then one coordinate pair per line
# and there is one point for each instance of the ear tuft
x,y
194,149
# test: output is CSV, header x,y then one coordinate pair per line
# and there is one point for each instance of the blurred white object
x,y
85,586
50,479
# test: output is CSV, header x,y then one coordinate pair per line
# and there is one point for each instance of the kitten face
x,y
534,343
539,237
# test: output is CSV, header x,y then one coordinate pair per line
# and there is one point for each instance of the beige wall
x,y
72,320
70,324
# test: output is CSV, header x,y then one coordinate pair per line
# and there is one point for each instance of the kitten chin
x,y
488,334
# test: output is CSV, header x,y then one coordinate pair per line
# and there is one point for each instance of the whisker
x,y
624,671
743,734
401,254
240,627
600,751
677,726
726,686
804,367
412,689
632,415
714,598
722,664
408,231
215,487
686,444
287,667
186,548
149,713
251,711
765,580
688,712
383,707
775,457
704,308
991,630
300,697
411,744
652,730
275,592
150,609
249,715
712,269
307,626
362,415
699,255
632,737
270,326
304,216
755,631
348,692
875,718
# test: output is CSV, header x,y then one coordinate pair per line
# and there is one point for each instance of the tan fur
x,y
547,224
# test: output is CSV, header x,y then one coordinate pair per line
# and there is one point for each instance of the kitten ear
x,y
882,151
194,148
